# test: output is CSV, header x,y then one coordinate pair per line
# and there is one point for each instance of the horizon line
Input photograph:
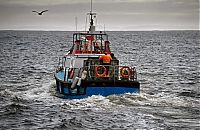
x,y
99,30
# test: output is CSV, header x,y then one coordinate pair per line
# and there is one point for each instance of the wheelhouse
x,y
87,43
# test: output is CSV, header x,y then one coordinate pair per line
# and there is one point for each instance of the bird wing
x,y
44,11
35,11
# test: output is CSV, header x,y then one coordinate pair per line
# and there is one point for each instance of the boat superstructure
x,y
80,72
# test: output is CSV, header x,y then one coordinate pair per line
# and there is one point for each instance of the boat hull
x,y
96,87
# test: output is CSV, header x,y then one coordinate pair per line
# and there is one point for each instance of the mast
x,y
91,16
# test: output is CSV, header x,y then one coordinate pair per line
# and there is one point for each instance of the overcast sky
x,y
113,14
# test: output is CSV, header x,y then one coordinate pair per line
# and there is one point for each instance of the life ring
x,y
102,74
125,72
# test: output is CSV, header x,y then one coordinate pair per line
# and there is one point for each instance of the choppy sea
x,y
168,67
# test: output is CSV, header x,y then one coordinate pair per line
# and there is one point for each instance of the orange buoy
x,y
125,72
100,74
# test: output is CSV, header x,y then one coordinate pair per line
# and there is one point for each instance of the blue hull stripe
x,y
104,91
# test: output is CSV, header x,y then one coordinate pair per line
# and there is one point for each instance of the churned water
x,y
168,66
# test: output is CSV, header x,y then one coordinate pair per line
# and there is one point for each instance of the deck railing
x,y
111,72
97,72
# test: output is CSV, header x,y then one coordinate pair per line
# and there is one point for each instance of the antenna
x,y
96,21
85,23
91,6
76,22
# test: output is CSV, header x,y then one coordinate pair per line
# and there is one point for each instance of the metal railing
x,y
97,72
111,72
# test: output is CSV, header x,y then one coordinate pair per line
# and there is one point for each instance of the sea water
x,y
168,68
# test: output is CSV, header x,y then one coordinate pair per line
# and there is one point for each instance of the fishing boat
x,y
80,73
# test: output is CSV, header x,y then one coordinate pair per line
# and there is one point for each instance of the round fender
x,y
71,73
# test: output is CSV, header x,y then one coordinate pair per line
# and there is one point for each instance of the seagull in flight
x,y
40,13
